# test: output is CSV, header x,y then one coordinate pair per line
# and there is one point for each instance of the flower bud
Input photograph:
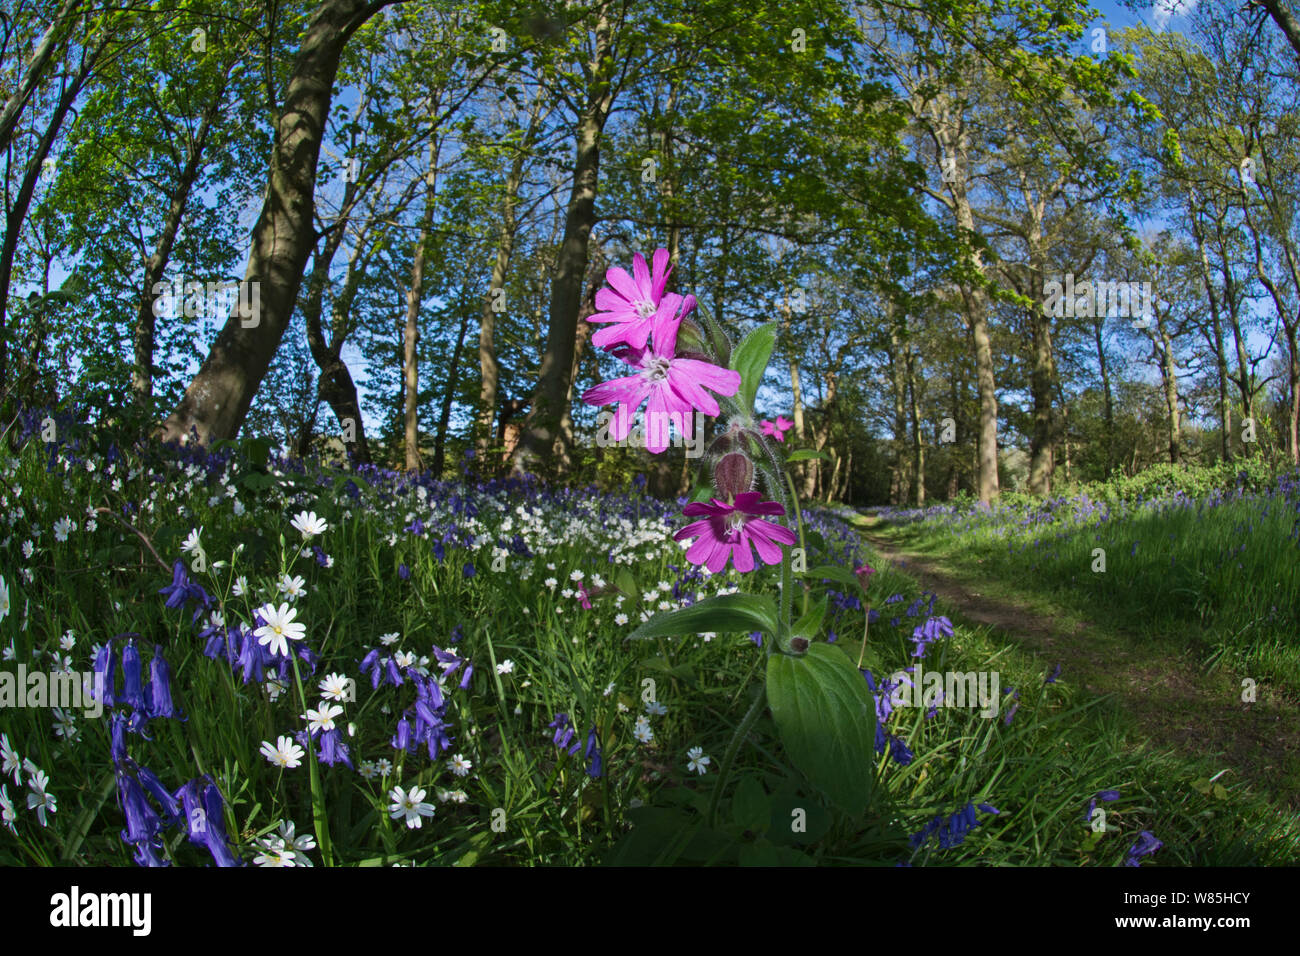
x,y
691,341
733,475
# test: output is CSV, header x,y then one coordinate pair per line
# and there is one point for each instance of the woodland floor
x,y
1174,702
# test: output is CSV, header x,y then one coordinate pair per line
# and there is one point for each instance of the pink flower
x,y
727,531
864,573
778,429
674,386
634,302
582,596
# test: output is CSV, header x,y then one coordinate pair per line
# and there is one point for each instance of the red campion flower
x,y
727,531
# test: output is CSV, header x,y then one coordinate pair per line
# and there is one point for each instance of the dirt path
x,y
1173,700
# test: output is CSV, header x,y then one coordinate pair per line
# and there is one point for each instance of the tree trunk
x,y
543,422
1286,21
487,356
449,397
954,469
1220,355
918,439
899,478
17,213
1041,386
1169,373
142,374
1108,403
1243,377
217,400
335,385
411,335
55,34
974,301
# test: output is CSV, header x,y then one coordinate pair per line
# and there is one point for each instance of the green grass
x,y
1224,577
528,802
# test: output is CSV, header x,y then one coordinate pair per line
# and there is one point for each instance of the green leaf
x,y
749,806
658,837
725,613
827,722
750,360
811,623
626,583
803,454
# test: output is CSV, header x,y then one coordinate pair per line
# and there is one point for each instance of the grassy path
x,y
1172,701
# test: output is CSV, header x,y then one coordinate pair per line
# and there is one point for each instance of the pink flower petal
x,y
622,283
724,381
741,556
641,276
631,389
661,273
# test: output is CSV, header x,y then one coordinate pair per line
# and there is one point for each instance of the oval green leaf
x,y
827,722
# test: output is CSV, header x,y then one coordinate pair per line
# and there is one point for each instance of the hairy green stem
x,y
798,518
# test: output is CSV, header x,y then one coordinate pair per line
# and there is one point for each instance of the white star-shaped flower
x,y
280,625
308,524
285,753
335,687
699,762
323,719
410,806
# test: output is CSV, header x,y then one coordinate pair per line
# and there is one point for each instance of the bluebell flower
x,y
217,842
142,821
106,664
899,750
149,780
469,570
177,590
159,692
253,658
371,664
132,687
332,749
149,853
596,765
1055,674
564,733
1146,845
117,736
403,572
402,739
953,831
306,655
